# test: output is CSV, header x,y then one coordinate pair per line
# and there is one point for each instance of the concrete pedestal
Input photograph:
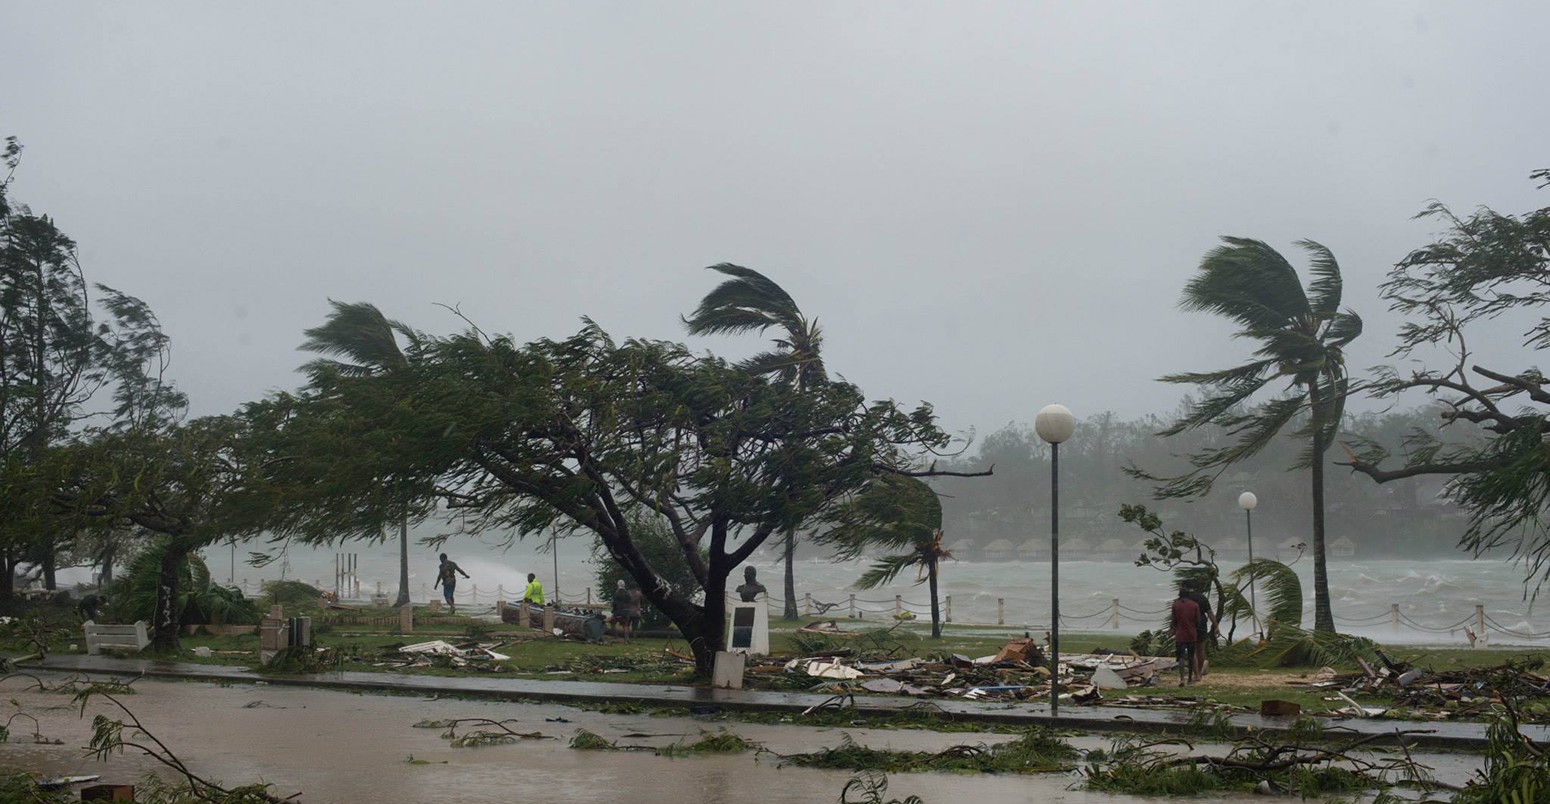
x,y
748,627
727,672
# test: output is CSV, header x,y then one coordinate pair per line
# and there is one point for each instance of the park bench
x,y
116,637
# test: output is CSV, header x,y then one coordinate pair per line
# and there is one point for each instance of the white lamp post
x,y
1247,501
1054,424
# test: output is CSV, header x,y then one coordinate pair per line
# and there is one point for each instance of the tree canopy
x,y
1486,268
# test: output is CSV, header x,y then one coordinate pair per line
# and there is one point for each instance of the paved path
x,y
1467,736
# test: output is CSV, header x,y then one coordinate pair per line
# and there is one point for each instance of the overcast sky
x,y
987,206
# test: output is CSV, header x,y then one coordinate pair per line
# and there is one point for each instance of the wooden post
x,y
1000,611
807,604
1480,621
898,606
589,596
949,616
1114,613
853,605
1394,615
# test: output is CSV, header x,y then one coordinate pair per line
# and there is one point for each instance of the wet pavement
x,y
1453,736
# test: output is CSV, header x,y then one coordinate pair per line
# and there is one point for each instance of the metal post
x,y
1114,613
555,552
1054,580
1394,615
1248,519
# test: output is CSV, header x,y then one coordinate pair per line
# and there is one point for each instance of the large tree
x,y
586,434
1300,359
368,342
56,354
1486,270
752,302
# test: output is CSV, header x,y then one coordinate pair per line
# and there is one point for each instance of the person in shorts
x,y
1185,622
446,578
620,618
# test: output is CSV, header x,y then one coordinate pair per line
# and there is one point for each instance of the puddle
x,y
336,746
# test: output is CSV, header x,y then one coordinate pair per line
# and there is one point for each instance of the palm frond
x,y
1249,282
1278,586
885,569
749,302
892,512
1325,289
360,333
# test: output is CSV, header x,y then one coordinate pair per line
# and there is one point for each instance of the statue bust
x,y
751,587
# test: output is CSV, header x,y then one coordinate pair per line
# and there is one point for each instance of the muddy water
x,y
343,747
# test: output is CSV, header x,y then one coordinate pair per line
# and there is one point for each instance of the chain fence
x,y
1116,616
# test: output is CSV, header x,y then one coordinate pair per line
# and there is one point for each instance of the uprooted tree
x,y
586,435
1487,270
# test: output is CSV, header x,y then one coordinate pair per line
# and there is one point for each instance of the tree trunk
x,y
7,574
403,561
936,610
49,581
791,578
1323,616
166,619
105,566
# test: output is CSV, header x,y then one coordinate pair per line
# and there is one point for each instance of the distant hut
x,y
1114,549
1033,550
1076,548
963,549
1342,547
1000,550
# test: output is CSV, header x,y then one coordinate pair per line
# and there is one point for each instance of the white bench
x,y
116,637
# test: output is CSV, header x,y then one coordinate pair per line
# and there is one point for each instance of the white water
x,y
1438,595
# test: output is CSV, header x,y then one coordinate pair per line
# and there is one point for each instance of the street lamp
x,y
1247,501
1054,424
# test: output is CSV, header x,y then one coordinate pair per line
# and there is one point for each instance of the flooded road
x,y
343,747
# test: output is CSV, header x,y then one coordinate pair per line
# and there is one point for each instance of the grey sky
x,y
987,206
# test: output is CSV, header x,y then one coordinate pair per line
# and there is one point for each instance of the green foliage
x,y
655,540
1517,770
22,788
585,740
293,595
200,599
722,742
1037,751
1486,265
870,787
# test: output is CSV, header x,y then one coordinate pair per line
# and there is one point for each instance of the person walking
x,y
1185,622
446,578
1205,626
621,610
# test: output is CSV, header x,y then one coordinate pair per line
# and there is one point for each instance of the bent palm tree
x,y
752,302
1302,338
893,512
363,335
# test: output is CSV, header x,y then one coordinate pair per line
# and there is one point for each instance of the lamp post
x,y
1054,424
1247,501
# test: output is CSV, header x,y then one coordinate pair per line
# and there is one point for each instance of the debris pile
x,y
1018,671
1435,694
445,654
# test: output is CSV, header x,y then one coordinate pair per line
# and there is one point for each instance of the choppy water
x,y
1436,598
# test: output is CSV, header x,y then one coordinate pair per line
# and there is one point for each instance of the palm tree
x,y
361,334
1302,338
893,512
752,302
